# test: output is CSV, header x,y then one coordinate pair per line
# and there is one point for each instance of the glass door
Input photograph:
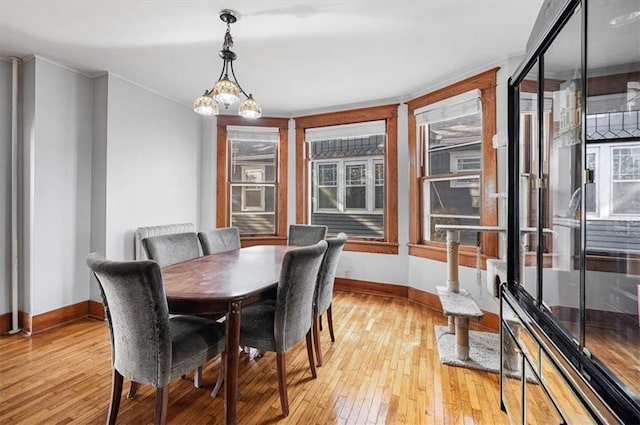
x,y
612,204
562,176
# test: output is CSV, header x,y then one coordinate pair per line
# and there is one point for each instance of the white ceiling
x,y
296,57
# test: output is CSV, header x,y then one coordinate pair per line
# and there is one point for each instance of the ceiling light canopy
x,y
226,91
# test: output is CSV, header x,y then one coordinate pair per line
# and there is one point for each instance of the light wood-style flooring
x,y
382,369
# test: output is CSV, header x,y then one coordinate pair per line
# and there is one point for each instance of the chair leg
x,y
282,383
133,389
312,364
316,340
330,320
162,399
197,377
116,393
216,388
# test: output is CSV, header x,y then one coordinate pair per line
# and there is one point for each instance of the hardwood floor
x,y
382,369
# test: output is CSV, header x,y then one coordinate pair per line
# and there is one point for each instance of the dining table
x,y
224,283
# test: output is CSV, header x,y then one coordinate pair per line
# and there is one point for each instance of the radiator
x,y
166,229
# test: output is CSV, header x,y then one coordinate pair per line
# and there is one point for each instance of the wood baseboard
x,y
41,322
96,310
372,288
490,321
5,322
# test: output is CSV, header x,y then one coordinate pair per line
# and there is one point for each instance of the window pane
x,y
453,146
447,204
347,184
328,198
249,157
529,171
455,131
327,175
563,166
379,197
592,188
253,208
626,198
379,173
356,197
379,182
446,198
355,175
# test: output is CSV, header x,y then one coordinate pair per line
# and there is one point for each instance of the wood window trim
x,y
486,82
223,186
389,113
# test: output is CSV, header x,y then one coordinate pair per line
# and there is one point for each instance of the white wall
x,y
152,164
421,273
5,187
59,194
208,169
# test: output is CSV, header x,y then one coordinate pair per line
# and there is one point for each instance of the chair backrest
x,y
293,314
327,274
173,248
219,240
306,234
138,318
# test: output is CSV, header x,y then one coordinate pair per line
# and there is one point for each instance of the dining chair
x,y
167,250
219,240
172,248
277,325
147,345
323,296
306,234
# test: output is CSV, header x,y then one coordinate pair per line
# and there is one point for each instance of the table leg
x,y
232,344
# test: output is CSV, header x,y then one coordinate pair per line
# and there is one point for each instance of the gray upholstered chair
x,y
167,250
219,240
305,234
276,325
323,296
147,345
172,248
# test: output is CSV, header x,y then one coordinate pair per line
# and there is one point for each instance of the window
x,y
346,160
251,181
615,191
453,167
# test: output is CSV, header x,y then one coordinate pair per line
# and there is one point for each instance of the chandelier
x,y
227,91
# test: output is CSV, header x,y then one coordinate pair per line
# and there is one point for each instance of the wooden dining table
x,y
224,282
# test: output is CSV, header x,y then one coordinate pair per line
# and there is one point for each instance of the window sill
x,y
438,252
262,240
376,247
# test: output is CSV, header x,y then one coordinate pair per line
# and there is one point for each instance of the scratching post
x,y
462,337
453,284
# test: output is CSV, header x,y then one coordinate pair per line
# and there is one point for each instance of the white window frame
x,y
376,185
247,170
316,193
604,181
341,164
454,161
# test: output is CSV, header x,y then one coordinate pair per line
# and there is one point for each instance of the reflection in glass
x,y
529,173
612,280
563,169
